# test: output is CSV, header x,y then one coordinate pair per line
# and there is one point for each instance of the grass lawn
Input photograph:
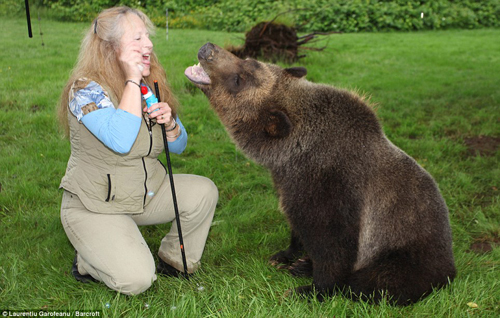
x,y
438,98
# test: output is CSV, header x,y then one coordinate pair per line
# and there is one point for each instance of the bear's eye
x,y
237,80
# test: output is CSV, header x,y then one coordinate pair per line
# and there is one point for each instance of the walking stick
x,y
174,197
28,18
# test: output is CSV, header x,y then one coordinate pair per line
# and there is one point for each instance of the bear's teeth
x,y
197,70
194,69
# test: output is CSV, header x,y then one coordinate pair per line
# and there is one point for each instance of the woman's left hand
x,y
161,112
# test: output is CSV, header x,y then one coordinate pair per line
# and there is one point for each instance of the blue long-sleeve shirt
x,y
115,128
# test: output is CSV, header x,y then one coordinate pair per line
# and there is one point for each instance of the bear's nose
x,y
206,51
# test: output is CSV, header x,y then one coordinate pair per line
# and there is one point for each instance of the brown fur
x,y
372,221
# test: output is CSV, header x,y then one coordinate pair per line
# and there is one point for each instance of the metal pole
x,y
27,5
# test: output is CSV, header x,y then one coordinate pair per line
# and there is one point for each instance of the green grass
x,y
433,90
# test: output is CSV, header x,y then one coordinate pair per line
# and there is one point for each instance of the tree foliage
x,y
306,15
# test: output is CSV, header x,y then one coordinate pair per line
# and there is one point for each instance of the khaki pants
x,y
111,248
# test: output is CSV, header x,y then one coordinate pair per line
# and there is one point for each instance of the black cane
x,y
174,197
28,18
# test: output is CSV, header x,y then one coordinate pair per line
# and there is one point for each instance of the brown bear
x,y
371,220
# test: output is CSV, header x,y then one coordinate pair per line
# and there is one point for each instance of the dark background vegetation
x,y
306,15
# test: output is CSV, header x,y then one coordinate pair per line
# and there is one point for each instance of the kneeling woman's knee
x,y
133,283
204,195
210,191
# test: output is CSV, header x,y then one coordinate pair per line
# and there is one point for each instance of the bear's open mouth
x,y
197,75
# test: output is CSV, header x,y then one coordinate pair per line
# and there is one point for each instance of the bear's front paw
x,y
286,257
303,267
281,258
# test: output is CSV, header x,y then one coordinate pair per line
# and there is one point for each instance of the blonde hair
x,y
98,61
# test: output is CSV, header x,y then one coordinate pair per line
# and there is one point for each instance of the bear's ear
x,y
296,71
278,124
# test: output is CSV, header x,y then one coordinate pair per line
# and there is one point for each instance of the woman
x,y
114,181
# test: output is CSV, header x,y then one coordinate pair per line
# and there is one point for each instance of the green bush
x,y
307,15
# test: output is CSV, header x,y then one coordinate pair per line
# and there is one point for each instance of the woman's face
x,y
135,32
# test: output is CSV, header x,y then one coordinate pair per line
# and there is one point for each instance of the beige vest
x,y
109,182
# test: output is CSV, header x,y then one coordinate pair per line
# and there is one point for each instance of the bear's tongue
x,y
197,75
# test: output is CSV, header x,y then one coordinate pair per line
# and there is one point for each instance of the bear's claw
x,y
303,267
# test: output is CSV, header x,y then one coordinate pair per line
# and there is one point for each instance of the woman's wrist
x,y
173,130
171,126
131,81
174,133
129,101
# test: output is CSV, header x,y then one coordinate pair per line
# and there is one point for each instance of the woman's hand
x,y
130,57
162,112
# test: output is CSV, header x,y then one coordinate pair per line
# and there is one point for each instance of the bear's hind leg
x,y
400,276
